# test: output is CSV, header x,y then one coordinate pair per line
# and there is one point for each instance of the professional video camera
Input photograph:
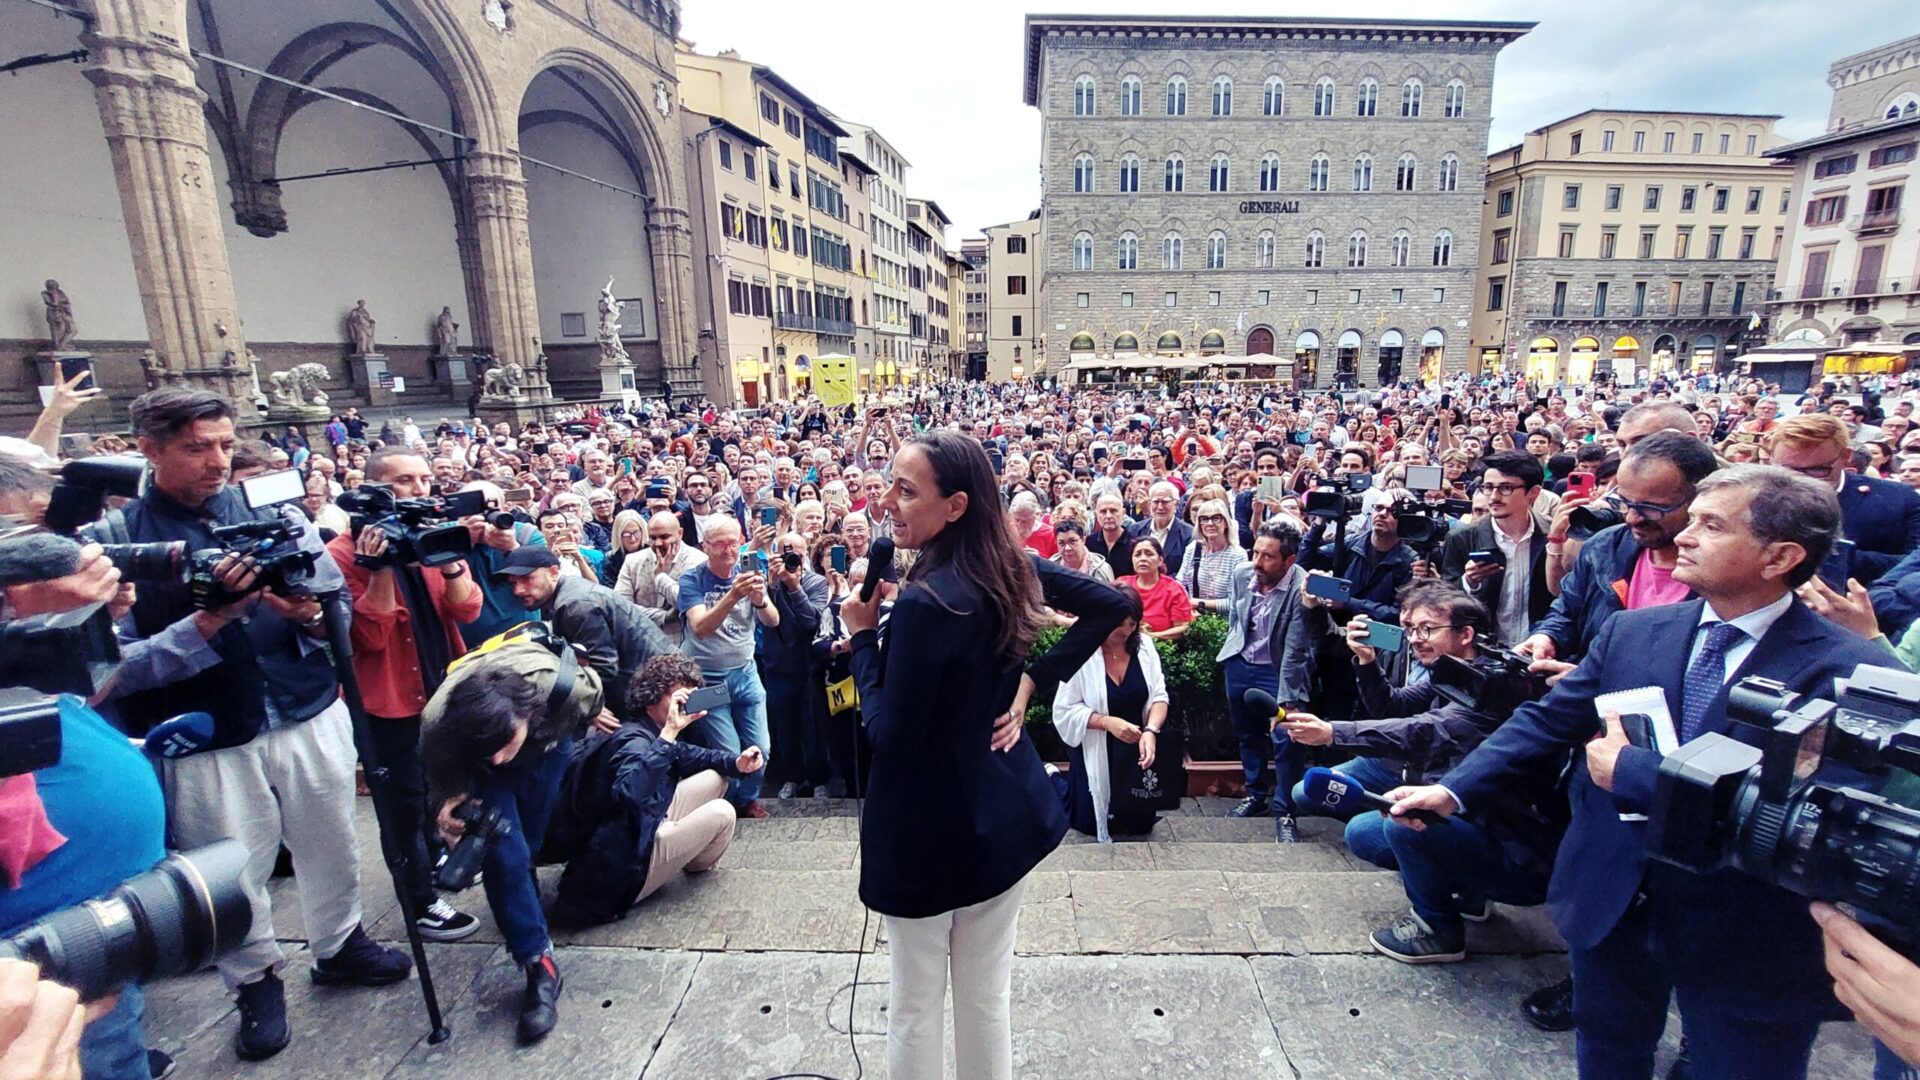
x,y
1587,520
1756,801
1341,499
424,531
1494,683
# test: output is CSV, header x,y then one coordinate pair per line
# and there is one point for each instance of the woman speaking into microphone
x,y
958,810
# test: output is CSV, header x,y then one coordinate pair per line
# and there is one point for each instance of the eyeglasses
x,y
1503,490
1212,519
1426,632
1650,512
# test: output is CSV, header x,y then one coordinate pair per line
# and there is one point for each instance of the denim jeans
x,y
1455,858
796,726
1257,745
114,1047
1377,775
737,725
526,794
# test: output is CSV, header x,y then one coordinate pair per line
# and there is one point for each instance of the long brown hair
x,y
978,545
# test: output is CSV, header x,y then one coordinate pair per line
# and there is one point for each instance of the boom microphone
x,y
879,565
1338,795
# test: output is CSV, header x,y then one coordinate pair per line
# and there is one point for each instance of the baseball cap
x,y
525,560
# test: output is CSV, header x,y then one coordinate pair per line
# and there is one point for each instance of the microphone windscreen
x,y
1336,793
879,565
37,557
188,733
1261,702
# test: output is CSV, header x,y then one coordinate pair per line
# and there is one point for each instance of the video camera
x,y
1585,521
1339,500
463,864
1494,683
424,531
1754,800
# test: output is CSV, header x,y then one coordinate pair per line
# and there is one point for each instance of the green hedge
x,y
1195,687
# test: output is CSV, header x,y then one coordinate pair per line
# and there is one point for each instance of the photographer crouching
x,y
640,805
495,741
280,767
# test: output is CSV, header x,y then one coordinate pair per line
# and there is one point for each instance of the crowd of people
x,y
1681,534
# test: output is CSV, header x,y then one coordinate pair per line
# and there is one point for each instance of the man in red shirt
x,y
405,633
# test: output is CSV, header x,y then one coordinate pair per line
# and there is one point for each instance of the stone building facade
x,y
1621,239
1304,188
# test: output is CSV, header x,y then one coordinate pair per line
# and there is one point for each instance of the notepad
x,y
1650,701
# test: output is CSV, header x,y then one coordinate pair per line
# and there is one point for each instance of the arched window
x,y
1318,170
1263,250
1316,249
1357,250
1223,96
1217,174
1410,98
1270,173
1456,99
1402,247
1443,249
1126,343
1083,174
1129,174
1083,96
1366,100
1273,98
1169,343
1129,253
1903,106
1082,343
1213,342
1176,173
1323,97
1216,250
1449,173
1403,173
1170,252
1177,96
1363,173
1130,96
1083,251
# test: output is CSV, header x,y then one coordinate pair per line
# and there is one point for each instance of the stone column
x,y
507,323
156,133
670,237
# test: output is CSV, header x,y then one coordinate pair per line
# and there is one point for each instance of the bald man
x,y
651,579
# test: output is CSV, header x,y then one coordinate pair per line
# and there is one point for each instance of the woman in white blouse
x,y
1207,570
1115,703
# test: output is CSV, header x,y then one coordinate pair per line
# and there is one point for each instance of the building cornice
x,y
1253,28
1853,134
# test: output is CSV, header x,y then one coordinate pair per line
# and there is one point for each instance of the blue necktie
x,y
1705,677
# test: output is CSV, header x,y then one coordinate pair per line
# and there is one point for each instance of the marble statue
x,y
504,381
254,393
611,351
154,368
446,339
298,386
60,316
360,329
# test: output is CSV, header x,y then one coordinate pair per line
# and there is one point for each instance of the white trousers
x,y
976,945
291,785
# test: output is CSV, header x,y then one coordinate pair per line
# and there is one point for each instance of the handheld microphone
x,y
188,733
879,565
1261,702
1340,795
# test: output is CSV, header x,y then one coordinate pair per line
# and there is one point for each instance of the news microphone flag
x,y
188,733
1336,793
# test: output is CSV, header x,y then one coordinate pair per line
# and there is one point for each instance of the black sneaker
x,y
444,922
1285,829
263,1019
1411,941
1251,806
540,1008
1550,1008
362,962
160,1064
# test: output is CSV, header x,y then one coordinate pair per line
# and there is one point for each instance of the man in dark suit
x,y
1517,535
1743,956
1164,524
1880,517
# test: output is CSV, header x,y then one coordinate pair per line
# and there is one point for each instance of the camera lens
x,y
1585,521
160,561
500,519
172,920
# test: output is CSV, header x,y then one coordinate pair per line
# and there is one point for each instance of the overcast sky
x,y
942,80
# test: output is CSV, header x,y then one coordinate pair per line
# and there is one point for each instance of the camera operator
x,y
1743,955
639,805
616,636
281,769
406,622
1451,874
500,731
1879,986
500,610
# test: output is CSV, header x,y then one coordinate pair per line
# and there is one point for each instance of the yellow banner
x,y
833,381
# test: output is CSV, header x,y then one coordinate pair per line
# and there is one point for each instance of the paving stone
x,y
810,808
752,910
1046,915
1129,855
792,855
1261,857
615,1008
337,1031
755,1016
1226,830
779,829
1140,1016
1151,911
1335,913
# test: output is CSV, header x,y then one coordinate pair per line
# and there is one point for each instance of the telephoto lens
x,y
172,920
500,519
164,560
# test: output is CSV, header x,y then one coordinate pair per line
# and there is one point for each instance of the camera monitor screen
x,y
271,489
1424,478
